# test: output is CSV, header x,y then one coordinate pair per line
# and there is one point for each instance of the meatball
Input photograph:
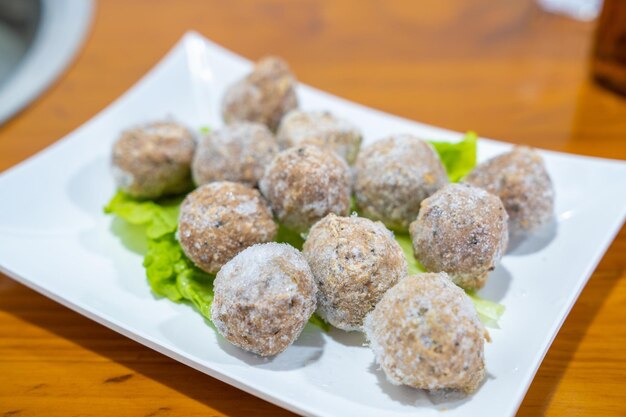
x,y
220,219
521,181
263,298
238,152
305,184
320,129
264,96
425,333
354,261
153,160
461,230
393,176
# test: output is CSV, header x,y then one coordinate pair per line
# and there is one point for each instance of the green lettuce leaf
x,y
289,236
159,218
160,263
489,312
406,244
458,158
317,321
172,275
169,272
196,286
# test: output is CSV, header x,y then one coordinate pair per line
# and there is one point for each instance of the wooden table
x,y
505,69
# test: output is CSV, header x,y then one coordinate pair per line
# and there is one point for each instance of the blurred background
x,y
38,39
517,71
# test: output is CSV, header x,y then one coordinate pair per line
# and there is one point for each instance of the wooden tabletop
x,y
502,68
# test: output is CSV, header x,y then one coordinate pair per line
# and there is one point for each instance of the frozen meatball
x,y
425,333
264,96
305,184
354,261
521,181
461,230
220,219
393,176
238,152
153,160
320,129
263,298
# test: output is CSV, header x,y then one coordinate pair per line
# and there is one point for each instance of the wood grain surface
x,y
503,68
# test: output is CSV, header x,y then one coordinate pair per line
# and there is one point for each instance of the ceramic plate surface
x,y
54,238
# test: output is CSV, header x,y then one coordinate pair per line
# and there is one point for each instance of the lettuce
x,y
161,263
159,218
458,158
489,312
406,244
317,321
169,272
196,286
285,235
172,275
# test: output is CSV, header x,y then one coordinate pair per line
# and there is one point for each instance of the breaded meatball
x,y
220,219
522,182
153,160
354,261
263,298
393,176
304,184
461,230
321,129
264,96
425,333
237,152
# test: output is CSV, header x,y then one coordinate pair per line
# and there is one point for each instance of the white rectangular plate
x,y
54,238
